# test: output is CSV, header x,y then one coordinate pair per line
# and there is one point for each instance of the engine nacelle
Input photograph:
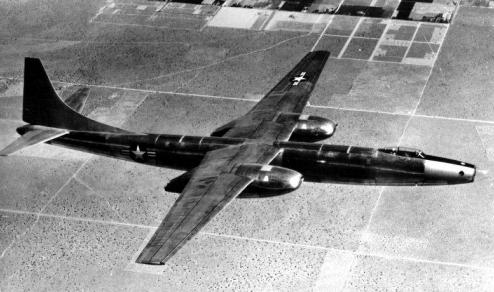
x,y
270,178
310,128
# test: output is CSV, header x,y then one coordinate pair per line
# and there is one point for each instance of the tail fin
x,y
42,106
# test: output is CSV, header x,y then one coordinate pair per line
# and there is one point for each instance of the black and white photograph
x,y
247,145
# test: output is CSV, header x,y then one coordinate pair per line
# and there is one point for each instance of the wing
x,y
212,186
290,95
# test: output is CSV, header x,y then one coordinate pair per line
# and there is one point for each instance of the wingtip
x,y
144,258
11,148
148,256
31,60
321,53
150,263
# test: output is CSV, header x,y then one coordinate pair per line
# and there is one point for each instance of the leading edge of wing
x,y
169,239
212,186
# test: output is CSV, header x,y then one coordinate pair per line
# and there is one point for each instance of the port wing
x,y
212,186
290,95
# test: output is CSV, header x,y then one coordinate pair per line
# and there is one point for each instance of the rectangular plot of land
x,y
126,10
477,3
431,33
360,48
342,25
463,72
135,9
290,26
293,21
421,54
389,53
400,31
387,5
158,20
176,22
486,134
333,44
357,2
324,6
185,8
371,28
261,21
374,86
433,12
237,17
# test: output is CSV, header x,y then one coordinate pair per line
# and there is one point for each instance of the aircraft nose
x,y
452,173
468,172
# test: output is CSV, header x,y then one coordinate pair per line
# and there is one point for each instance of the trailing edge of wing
x,y
32,137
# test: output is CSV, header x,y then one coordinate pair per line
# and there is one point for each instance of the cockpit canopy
x,y
403,151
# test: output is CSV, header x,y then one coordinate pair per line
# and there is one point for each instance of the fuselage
x,y
316,162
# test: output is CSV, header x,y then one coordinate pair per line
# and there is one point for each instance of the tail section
x,y
42,106
49,117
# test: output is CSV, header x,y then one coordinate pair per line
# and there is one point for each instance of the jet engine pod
x,y
268,181
310,128
270,178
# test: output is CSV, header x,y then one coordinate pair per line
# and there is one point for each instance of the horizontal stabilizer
x,y
34,136
78,99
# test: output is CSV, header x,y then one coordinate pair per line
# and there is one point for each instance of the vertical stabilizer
x,y
42,106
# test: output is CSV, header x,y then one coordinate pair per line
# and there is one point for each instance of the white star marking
x,y
298,79
138,153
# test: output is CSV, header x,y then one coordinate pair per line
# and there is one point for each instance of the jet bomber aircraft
x,y
269,151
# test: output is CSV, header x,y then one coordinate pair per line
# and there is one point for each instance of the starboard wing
x,y
290,95
212,186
